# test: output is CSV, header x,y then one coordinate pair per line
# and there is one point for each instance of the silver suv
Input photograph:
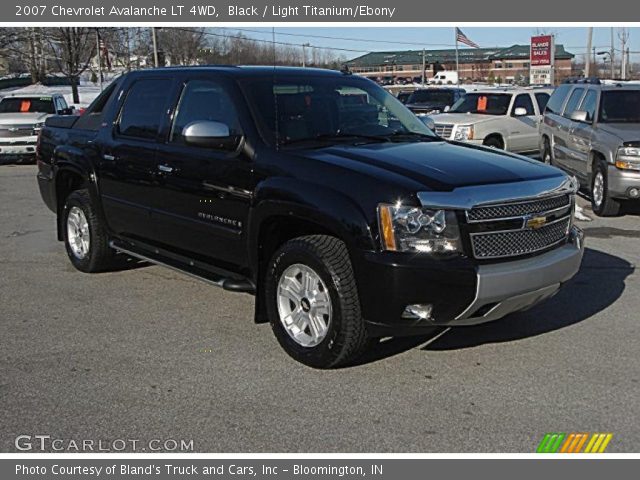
x,y
505,118
592,131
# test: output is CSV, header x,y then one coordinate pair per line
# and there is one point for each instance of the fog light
x,y
420,311
634,192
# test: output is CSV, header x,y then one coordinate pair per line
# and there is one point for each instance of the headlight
x,y
628,158
463,132
416,229
38,126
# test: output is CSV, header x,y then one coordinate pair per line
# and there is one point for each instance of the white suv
x,y
505,118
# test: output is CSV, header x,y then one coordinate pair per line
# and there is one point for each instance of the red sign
x,y
542,50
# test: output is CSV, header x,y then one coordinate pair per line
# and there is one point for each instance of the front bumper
x,y
461,292
18,148
620,181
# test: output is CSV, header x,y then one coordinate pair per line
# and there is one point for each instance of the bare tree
x,y
183,46
25,48
73,48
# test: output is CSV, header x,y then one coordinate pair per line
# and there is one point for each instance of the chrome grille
x,y
443,130
511,210
11,131
519,242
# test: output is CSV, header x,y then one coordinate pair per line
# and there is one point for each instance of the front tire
x,y
85,237
601,202
494,142
547,154
313,303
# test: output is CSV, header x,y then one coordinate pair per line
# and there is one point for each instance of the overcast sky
x,y
574,39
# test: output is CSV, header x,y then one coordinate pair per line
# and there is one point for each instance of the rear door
x,y
205,192
127,161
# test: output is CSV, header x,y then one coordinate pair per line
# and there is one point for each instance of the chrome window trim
x,y
466,198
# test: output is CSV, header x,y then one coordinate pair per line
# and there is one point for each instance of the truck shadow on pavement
x,y
598,284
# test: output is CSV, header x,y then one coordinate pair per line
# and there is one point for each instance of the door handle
x,y
109,158
165,168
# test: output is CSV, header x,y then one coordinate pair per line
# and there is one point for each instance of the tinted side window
x,y
91,119
589,104
557,99
572,103
523,101
204,100
144,107
542,99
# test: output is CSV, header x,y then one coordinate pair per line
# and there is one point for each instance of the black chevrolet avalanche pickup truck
x,y
314,190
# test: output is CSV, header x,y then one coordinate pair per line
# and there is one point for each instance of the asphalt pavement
x,y
148,353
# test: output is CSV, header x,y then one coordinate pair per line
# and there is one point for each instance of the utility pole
x,y
155,47
587,62
99,57
424,66
623,35
611,54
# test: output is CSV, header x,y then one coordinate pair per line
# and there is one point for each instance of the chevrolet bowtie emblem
x,y
535,223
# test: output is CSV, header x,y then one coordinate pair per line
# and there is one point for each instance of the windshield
x,y
485,103
620,106
27,105
439,97
326,108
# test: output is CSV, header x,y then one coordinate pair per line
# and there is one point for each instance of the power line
x,y
349,39
239,37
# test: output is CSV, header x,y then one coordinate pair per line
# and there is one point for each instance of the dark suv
x,y
314,190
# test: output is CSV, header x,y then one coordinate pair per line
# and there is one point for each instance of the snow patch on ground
x,y
88,92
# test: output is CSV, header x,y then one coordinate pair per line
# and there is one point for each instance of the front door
x,y
206,191
523,129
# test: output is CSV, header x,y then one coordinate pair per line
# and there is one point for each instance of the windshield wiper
x,y
327,137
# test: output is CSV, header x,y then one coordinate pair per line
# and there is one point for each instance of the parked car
x,y
593,132
433,100
506,119
444,78
403,96
316,191
21,117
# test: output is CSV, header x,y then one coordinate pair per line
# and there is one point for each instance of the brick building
x,y
476,64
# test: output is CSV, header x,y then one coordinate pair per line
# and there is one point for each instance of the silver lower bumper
x,y
509,287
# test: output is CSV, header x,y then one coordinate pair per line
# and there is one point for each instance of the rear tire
x,y
311,288
601,202
84,236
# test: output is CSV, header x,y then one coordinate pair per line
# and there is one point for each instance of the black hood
x,y
437,165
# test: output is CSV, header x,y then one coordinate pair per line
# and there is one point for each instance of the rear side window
x,y
542,99
523,101
91,119
144,108
554,105
573,102
589,104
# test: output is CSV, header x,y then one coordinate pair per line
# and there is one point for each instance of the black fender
x,y
330,210
67,158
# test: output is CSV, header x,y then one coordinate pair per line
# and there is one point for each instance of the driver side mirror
x,y
446,108
579,116
206,133
520,112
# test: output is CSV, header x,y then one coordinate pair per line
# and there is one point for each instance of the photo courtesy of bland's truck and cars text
x,y
318,240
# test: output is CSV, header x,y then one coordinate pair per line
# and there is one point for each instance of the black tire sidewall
x,y
77,200
547,152
599,210
323,354
493,143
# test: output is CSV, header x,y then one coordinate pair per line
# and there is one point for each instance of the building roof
x,y
465,55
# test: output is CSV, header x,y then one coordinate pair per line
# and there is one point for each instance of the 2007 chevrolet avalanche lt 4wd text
x,y
315,190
